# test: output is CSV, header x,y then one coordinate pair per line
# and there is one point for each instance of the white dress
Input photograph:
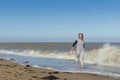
x,y
80,50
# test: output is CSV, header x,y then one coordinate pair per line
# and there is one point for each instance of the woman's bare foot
x,y
81,67
76,66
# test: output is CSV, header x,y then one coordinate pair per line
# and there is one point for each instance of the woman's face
x,y
80,36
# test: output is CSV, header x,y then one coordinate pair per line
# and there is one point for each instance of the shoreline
x,y
13,71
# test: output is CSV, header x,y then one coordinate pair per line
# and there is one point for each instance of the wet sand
x,y
15,71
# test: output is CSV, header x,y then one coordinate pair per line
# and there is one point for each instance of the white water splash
x,y
107,55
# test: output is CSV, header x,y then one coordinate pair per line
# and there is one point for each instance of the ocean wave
x,y
106,55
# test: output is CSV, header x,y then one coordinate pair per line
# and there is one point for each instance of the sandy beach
x,y
13,71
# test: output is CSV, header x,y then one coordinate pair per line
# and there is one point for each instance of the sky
x,y
59,20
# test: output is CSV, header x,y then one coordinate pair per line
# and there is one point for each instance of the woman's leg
x,y
77,60
81,58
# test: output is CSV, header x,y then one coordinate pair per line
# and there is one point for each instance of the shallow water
x,y
103,59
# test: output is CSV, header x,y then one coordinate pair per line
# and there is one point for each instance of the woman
x,y
79,50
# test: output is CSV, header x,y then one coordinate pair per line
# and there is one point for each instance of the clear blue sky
x,y
59,20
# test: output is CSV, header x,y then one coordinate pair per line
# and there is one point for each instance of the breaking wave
x,y
106,55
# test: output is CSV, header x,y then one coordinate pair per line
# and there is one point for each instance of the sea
x,y
100,58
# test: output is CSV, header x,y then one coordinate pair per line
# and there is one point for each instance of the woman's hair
x,y
81,34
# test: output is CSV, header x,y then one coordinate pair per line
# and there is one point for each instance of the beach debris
x,y
34,77
26,62
51,77
12,59
56,72
27,66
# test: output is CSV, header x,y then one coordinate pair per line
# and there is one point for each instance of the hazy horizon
x,y
59,20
